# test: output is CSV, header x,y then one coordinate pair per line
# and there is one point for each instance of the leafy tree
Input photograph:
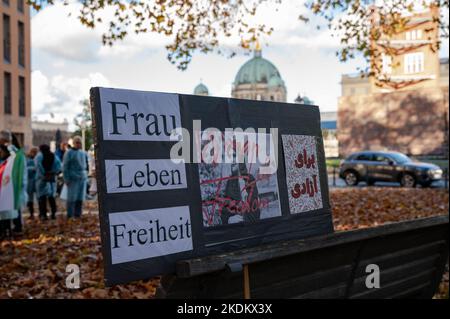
x,y
196,25
361,23
84,119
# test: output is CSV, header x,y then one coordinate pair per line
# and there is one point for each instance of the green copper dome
x,y
275,81
258,70
201,89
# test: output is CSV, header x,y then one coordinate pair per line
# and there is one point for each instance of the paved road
x,y
340,183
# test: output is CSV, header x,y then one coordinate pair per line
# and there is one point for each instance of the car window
x,y
364,157
381,158
400,158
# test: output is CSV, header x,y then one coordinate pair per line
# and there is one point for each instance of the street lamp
x,y
83,134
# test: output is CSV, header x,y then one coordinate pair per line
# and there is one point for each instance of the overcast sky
x,y
68,59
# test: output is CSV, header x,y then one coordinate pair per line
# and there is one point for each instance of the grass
x,y
333,162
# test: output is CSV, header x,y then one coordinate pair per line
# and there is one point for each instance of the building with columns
x,y
259,79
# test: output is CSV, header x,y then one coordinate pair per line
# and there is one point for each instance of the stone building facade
x,y
404,108
45,132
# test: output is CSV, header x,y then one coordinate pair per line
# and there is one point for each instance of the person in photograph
x,y
229,214
251,194
31,184
75,165
47,167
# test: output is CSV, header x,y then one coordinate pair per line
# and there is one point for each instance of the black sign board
x,y
181,176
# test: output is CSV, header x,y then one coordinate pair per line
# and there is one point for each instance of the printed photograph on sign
x,y
302,173
236,191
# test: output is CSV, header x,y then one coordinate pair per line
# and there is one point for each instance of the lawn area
x,y
33,266
333,162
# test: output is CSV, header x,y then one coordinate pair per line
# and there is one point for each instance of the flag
x,y
7,196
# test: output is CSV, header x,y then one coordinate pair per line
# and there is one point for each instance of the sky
x,y
68,59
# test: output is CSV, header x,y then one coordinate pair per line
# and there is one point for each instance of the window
x,y
387,63
6,2
414,35
381,158
21,96
7,93
6,38
20,5
364,157
414,62
21,48
20,137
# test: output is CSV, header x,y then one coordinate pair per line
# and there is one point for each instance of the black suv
x,y
372,167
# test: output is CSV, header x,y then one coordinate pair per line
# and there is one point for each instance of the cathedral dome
x,y
201,89
275,81
257,70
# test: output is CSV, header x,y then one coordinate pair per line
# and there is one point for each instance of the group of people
x,y
35,176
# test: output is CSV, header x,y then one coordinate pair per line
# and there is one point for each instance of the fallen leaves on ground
x,y
34,266
372,206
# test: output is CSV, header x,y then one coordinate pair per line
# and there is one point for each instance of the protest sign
x,y
182,176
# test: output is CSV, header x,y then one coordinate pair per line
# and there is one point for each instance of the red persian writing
x,y
308,187
304,160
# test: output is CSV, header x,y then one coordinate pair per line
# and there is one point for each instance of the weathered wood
x,y
198,266
246,283
411,257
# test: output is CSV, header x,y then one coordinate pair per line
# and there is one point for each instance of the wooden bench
x,y
411,257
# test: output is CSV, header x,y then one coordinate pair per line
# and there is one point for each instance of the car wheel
x,y
408,180
351,179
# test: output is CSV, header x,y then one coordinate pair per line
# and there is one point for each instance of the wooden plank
x,y
387,276
395,242
397,286
412,292
246,282
198,266
401,257
294,266
333,292
304,284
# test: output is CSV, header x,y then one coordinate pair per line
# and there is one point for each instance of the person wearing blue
x,y
31,185
47,167
75,168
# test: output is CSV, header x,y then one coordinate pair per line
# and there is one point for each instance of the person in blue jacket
x,y
31,185
47,167
75,168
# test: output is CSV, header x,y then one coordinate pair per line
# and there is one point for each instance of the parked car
x,y
373,166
